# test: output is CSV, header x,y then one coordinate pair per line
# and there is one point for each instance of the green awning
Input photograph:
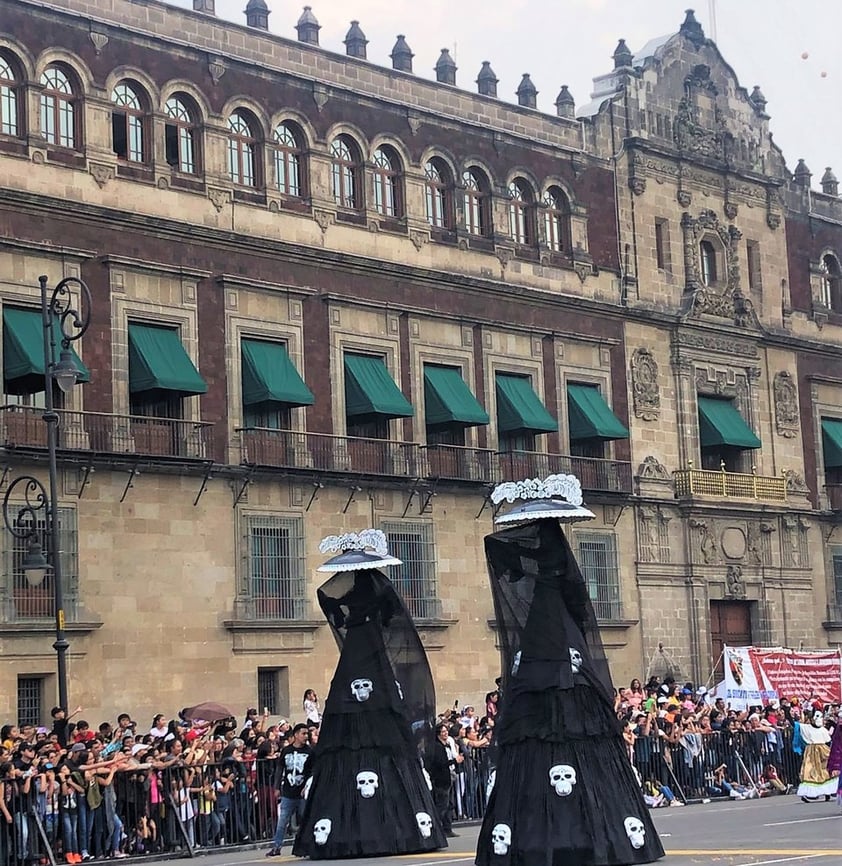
x,y
590,417
158,362
23,351
519,408
832,442
721,424
370,389
448,399
269,376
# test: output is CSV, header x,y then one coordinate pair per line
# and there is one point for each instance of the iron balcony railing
x,y
98,432
731,485
606,476
287,449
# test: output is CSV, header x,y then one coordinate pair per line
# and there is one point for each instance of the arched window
x,y
128,121
476,202
288,159
58,108
345,173
9,108
242,150
831,285
180,135
520,213
439,194
386,182
707,253
556,220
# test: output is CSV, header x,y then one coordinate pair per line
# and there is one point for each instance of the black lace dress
x,y
565,793
369,795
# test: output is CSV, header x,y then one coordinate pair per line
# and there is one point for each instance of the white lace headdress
x,y
356,550
556,496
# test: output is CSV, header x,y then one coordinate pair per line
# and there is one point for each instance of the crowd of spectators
x,y
125,788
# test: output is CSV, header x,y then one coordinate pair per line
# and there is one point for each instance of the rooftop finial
x,y
487,80
355,41
565,104
802,174
622,55
830,185
692,29
308,27
758,99
527,93
402,55
257,14
446,68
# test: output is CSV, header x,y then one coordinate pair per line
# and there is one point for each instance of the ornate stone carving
x,y
786,405
637,185
773,220
653,534
38,157
692,137
712,343
101,173
100,40
645,391
754,544
653,470
373,226
419,239
684,197
323,218
216,69
794,482
414,122
735,585
707,547
219,197
163,182
505,255
795,550
730,210
320,95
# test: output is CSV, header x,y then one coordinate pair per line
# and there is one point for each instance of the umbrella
x,y
209,711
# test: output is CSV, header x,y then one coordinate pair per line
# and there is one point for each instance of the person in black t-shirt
x,y
293,772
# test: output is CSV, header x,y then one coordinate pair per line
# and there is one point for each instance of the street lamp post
x,y
61,319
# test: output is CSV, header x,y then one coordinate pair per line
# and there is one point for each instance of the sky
x,y
788,48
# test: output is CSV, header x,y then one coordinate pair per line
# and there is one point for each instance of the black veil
x,y
350,597
543,610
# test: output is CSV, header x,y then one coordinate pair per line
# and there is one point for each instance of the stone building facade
x,y
329,295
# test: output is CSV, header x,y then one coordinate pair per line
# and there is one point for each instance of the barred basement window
x,y
415,580
275,576
273,690
21,601
30,700
597,555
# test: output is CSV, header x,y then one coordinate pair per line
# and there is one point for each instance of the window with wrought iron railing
x,y
20,599
597,555
413,543
275,583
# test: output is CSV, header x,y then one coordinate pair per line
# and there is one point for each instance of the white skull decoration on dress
x,y
425,824
635,831
575,660
501,838
361,689
562,779
321,830
516,664
367,783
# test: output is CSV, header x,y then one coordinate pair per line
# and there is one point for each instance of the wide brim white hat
x,y
536,509
355,560
556,497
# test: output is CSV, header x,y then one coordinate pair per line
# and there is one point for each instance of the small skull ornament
x,y
425,824
361,689
501,838
562,779
321,830
635,831
516,664
367,783
575,660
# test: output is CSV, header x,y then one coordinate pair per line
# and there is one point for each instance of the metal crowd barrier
x,y
179,808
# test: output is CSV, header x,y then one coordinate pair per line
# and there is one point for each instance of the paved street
x,y
782,830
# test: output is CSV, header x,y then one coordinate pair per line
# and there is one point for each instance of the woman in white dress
x,y
816,781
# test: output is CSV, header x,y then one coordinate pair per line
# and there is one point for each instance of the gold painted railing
x,y
739,485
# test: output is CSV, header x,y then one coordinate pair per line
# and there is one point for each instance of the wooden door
x,y
730,623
